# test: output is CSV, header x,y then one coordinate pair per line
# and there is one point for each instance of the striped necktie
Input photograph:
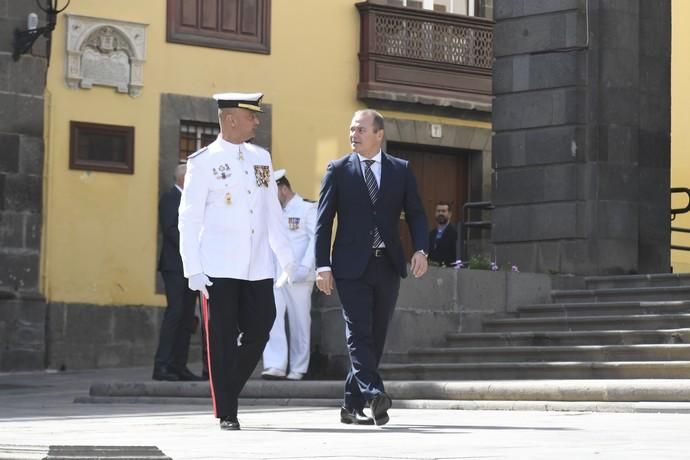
x,y
373,195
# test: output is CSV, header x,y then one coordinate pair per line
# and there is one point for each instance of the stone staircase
x,y
620,345
618,327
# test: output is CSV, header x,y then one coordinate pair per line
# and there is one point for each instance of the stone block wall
x,y
22,334
582,135
22,84
443,301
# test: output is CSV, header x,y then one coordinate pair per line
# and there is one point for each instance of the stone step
x,y
645,407
531,338
588,323
660,390
621,294
625,281
676,352
530,371
604,308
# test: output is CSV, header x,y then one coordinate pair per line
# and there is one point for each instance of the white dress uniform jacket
x,y
299,218
229,210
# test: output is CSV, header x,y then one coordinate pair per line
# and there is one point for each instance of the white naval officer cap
x,y
249,101
278,174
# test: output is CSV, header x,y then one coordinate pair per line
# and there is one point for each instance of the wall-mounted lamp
x,y
24,39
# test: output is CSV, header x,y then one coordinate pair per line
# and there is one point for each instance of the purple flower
x,y
458,264
494,267
514,268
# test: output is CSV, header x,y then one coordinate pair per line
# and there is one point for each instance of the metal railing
x,y
676,211
436,38
466,224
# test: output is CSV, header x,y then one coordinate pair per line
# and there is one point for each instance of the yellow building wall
x,y
99,244
680,126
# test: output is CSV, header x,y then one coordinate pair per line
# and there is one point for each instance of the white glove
x,y
301,274
282,279
199,282
290,271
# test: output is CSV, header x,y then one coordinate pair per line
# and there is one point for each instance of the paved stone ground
x,y
36,409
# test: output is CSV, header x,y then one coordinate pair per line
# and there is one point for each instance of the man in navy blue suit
x,y
367,189
443,239
170,362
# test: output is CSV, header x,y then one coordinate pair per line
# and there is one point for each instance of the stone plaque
x,y
105,52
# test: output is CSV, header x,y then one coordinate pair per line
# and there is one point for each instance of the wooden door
x,y
441,175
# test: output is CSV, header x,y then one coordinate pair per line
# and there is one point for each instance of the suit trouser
x,y
234,307
295,299
178,323
368,304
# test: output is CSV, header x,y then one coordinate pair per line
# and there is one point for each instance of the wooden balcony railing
x,y
423,56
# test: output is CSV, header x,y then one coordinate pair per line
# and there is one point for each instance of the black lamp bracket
x,y
24,39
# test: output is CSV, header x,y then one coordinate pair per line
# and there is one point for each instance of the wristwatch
x,y
423,252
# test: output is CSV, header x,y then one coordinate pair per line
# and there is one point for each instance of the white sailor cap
x,y
278,174
249,101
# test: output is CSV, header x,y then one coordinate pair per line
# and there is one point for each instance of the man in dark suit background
x,y
170,362
367,189
443,239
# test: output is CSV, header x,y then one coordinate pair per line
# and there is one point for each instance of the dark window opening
x,y
195,135
99,147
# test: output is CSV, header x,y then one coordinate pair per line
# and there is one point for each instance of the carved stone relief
x,y
105,52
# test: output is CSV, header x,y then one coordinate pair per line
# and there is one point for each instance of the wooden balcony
x,y
420,56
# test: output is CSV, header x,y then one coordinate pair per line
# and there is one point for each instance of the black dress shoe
x,y
229,423
379,408
354,417
163,373
188,376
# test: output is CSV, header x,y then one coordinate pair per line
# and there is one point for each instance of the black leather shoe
x,y
229,423
186,375
354,417
379,408
163,373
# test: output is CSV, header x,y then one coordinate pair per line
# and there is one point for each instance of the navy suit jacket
x,y
442,250
170,259
344,192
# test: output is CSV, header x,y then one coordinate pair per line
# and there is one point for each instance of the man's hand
x,y
324,281
199,282
418,264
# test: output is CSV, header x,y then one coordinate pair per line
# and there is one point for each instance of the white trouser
x,y
295,299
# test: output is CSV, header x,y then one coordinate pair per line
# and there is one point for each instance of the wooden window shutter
x,y
241,25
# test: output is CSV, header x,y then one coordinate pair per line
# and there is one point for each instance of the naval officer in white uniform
x,y
231,224
299,218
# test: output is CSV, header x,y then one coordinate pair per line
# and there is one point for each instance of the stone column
x,y
22,84
582,135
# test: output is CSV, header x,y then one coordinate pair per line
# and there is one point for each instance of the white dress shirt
x,y
375,167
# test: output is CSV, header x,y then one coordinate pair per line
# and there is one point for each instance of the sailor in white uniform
x,y
231,224
299,219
